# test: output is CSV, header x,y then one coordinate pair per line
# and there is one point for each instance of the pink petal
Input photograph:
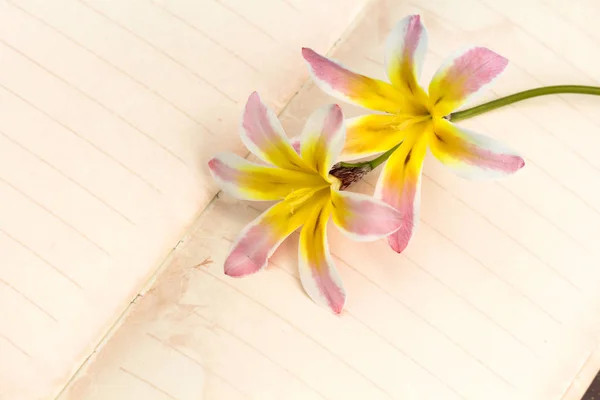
x,y
363,218
264,136
323,138
462,77
259,239
296,144
249,181
318,274
472,155
405,51
399,185
346,85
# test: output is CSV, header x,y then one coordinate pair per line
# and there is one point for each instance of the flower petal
x,y
463,76
249,181
259,239
318,275
472,155
363,218
404,53
400,186
295,141
322,138
264,136
346,85
374,133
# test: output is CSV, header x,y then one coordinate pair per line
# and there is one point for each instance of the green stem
x,y
374,163
489,106
527,94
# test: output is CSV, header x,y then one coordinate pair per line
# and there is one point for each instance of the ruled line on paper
x,y
509,236
425,320
573,151
29,300
290,5
526,248
148,383
38,256
79,185
471,305
414,313
206,35
306,335
514,338
83,138
113,66
513,64
490,270
263,354
13,344
580,27
462,249
252,24
98,103
205,368
366,326
541,42
140,38
52,213
487,268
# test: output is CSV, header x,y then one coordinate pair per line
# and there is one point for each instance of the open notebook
x,y
113,235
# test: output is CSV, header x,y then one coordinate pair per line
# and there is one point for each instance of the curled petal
x,y
404,53
472,155
371,134
264,136
259,239
322,138
318,275
463,76
249,181
295,141
399,185
363,218
346,85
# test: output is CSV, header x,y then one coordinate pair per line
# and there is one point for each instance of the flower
x,y
415,118
307,196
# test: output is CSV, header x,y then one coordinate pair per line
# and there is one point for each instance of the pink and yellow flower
x,y
415,118
307,197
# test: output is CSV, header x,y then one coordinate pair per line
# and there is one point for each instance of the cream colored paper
x,y
109,111
496,298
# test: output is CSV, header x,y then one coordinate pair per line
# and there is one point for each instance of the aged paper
x,y
109,111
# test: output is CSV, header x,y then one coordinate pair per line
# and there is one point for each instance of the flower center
x,y
298,197
424,105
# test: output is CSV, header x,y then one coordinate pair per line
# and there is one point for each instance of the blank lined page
x,y
109,111
496,297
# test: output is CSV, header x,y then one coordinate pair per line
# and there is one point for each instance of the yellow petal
x,y
318,275
366,92
399,184
264,136
372,134
404,53
363,218
257,242
461,77
249,181
322,138
472,155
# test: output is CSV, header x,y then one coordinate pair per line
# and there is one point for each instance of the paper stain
x,y
207,261
160,313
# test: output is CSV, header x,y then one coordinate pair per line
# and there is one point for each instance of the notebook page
x,y
496,297
109,112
